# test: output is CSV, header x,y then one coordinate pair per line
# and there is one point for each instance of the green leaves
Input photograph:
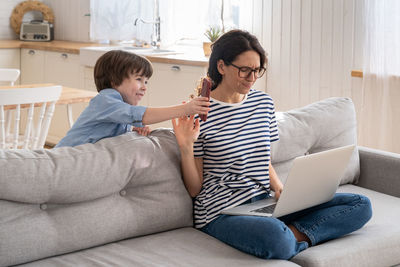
x,y
212,33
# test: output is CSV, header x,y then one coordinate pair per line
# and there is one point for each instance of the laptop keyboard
x,y
266,209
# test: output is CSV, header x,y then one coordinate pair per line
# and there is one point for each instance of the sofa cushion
x,y
319,126
376,244
181,247
65,199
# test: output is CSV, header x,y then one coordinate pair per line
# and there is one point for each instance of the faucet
x,y
156,35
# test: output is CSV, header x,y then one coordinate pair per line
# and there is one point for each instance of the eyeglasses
x,y
245,72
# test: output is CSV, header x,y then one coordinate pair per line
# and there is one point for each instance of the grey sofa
x,y
121,201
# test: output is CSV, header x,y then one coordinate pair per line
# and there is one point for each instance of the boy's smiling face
x,y
132,89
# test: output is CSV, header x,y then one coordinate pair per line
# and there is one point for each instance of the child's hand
x,y
145,131
198,105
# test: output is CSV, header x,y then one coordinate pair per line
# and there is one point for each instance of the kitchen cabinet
x,y
32,66
88,79
171,84
38,66
63,68
10,58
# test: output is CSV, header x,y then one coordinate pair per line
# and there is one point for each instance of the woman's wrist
x,y
186,150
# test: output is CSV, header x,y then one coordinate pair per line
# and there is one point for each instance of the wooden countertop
x,y
56,46
73,48
184,59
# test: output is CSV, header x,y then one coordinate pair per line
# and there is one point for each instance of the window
x,y
382,29
181,20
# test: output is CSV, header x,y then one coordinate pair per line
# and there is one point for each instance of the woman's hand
x,y
275,183
277,189
145,131
186,130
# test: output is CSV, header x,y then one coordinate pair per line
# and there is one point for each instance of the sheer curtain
x,y
381,83
106,24
180,19
188,20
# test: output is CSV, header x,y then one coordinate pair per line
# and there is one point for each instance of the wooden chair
x,y
36,127
9,75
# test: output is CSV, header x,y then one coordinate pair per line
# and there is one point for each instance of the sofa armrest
x,y
379,171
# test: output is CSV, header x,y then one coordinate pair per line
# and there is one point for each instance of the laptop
x,y
313,179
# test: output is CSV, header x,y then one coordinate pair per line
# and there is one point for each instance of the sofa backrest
x,y
66,199
316,127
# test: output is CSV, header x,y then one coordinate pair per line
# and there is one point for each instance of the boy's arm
x,y
197,105
111,109
108,108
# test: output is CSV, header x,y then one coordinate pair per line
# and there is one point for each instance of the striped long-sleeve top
x,y
234,143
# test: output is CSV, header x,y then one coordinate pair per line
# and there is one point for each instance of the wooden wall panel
x,y
312,49
312,46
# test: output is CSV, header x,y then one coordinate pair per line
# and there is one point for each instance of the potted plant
x,y
212,34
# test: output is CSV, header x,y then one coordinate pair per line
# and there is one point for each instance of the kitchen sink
x,y
147,51
89,55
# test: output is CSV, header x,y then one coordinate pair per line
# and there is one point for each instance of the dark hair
x,y
228,47
116,65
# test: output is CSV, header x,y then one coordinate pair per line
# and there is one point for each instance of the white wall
x,y
312,47
6,8
70,21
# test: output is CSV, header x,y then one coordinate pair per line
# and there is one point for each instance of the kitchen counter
x,y
56,46
194,59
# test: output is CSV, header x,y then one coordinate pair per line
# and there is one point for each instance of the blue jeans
x,y
270,238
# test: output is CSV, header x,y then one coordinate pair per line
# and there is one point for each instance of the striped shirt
x,y
234,143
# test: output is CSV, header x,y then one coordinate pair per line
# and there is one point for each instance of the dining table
x,y
68,97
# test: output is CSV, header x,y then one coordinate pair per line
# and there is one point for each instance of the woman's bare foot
x,y
299,235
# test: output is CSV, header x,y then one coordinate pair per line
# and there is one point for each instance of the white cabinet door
x,y
63,69
32,66
38,66
170,85
89,79
10,59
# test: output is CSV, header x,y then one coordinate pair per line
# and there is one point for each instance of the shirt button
x,y
43,206
122,193
256,186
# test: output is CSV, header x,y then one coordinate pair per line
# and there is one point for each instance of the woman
x,y
226,162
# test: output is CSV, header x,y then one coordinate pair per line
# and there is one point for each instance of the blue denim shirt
x,y
106,116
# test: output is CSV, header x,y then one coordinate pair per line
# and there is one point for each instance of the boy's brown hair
x,y
116,65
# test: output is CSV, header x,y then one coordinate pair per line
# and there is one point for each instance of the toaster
x,y
39,31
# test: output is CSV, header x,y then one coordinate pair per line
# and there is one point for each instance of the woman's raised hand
x,y
187,130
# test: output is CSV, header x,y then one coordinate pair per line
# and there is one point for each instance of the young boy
x,y
121,80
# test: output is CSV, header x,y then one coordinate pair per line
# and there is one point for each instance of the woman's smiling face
x,y
132,89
